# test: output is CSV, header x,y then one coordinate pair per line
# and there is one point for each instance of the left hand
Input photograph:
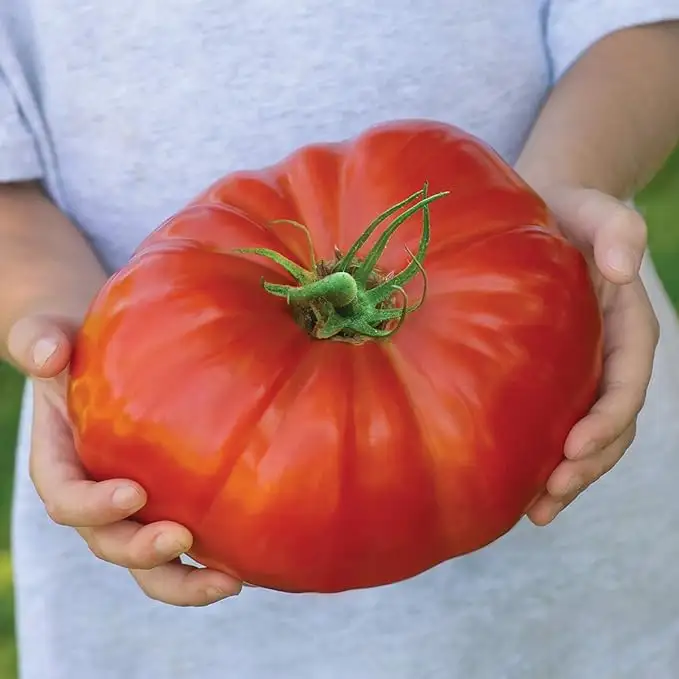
x,y
613,238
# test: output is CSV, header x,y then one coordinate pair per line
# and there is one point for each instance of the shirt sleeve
x,y
572,26
19,159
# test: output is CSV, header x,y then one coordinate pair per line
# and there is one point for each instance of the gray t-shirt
x,y
126,109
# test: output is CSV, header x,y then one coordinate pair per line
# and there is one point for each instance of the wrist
x,y
544,175
48,267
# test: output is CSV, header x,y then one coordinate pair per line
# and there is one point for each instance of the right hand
x,y
41,347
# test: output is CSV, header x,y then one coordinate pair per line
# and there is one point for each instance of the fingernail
x,y
126,497
622,260
43,350
166,545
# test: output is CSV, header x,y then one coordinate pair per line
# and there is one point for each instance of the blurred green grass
x,y
659,204
10,394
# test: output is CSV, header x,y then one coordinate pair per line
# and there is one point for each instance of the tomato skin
x,y
308,465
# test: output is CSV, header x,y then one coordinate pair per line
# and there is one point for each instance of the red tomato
x,y
312,434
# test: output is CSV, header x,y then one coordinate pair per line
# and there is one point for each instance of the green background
x,y
660,205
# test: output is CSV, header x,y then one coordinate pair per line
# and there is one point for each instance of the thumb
x,y
614,231
620,243
41,345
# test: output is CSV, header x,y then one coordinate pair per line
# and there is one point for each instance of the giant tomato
x,y
319,417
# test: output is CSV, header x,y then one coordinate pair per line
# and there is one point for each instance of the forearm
x,y
613,119
47,266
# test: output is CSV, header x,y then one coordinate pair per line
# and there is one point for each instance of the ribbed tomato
x,y
319,417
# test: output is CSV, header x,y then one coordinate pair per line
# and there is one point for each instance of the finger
x,y
619,244
615,231
87,503
40,346
133,545
544,510
179,584
69,497
571,478
633,333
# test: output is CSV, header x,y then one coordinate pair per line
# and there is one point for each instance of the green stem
x,y
347,302
339,288
300,274
384,290
347,260
371,259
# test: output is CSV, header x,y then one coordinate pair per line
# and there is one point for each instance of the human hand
x,y
100,512
613,237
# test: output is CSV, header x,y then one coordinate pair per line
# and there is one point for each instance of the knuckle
x,y
613,453
95,547
34,474
655,330
586,483
609,461
97,544
151,593
637,223
146,582
586,480
607,428
580,492
623,404
131,561
141,578
142,559
31,472
57,512
607,465
636,404
205,599
108,549
142,562
633,225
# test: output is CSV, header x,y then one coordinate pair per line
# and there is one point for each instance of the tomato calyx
x,y
350,299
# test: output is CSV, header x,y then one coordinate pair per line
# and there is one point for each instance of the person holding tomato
x,y
114,115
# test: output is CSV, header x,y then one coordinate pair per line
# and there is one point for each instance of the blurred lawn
x,y
10,390
660,205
